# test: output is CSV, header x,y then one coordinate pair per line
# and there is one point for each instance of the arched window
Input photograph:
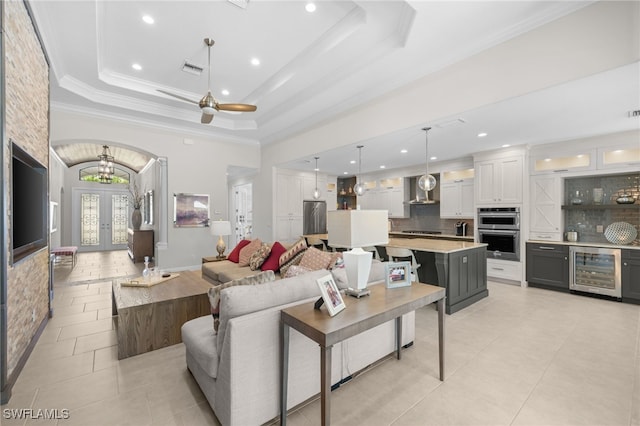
x,y
90,174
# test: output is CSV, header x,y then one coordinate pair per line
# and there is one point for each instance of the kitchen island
x,y
458,266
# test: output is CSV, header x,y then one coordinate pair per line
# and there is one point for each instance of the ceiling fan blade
x,y
206,118
191,101
236,107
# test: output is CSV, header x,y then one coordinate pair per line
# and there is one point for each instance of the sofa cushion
x,y
296,248
272,262
248,250
241,300
258,258
230,274
213,269
214,292
234,256
200,341
314,259
295,260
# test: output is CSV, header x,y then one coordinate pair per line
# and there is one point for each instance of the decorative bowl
x,y
625,199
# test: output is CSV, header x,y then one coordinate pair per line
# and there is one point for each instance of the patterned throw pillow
x,y
214,292
247,251
299,246
234,256
258,258
272,263
315,259
295,260
295,270
336,259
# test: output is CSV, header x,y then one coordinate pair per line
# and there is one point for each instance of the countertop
x,y
431,236
433,245
586,244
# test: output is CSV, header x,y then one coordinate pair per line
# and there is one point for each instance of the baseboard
x,y
11,380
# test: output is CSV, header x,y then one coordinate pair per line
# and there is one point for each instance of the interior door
x,y
242,212
100,219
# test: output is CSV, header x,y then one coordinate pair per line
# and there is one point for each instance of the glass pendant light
x,y
316,192
359,187
427,182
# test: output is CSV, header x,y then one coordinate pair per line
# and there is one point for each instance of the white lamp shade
x,y
357,228
221,227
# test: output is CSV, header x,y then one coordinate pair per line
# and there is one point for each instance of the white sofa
x,y
238,369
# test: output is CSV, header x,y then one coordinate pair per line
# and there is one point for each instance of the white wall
x,y
198,168
56,184
597,38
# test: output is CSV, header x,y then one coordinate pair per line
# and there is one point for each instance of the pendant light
x,y
359,187
105,166
427,182
316,192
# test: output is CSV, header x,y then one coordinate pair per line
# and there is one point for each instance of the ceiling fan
x,y
208,104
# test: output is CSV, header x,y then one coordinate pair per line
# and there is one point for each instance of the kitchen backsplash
x,y
426,217
586,221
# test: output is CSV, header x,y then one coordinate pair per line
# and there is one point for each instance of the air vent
x,y
192,68
451,122
635,113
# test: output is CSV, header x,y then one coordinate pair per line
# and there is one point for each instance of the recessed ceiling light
x,y
482,135
506,145
310,7
136,67
383,166
148,19
547,159
255,61
345,173
225,92
433,158
352,162
403,151
580,155
316,169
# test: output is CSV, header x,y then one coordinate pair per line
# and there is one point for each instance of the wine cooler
x,y
595,270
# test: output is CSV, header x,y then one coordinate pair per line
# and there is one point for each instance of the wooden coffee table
x,y
150,318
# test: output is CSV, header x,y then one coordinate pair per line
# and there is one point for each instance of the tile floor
x,y
518,357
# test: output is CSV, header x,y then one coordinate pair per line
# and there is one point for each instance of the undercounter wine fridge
x,y
595,270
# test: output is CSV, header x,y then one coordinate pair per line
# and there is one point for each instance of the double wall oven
x,y
499,228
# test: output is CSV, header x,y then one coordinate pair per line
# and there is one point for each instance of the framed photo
x,y
330,294
190,210
397,274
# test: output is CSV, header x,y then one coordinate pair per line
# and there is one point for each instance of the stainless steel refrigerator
x,y
314,220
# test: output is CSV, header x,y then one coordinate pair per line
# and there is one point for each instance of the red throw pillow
x,y
234,256
272,263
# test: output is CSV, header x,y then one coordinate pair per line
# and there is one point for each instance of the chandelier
x,y
105,166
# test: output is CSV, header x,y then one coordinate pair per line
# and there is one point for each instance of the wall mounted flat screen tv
x,y
29,207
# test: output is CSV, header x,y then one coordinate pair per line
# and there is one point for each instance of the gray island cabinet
x,y
548,266
458,266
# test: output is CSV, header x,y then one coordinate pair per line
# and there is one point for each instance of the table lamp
x,y
221,228
355,229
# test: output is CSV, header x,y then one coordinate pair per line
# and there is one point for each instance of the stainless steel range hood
x,y
418,196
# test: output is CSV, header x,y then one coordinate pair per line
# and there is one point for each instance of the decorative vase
x,y
136,219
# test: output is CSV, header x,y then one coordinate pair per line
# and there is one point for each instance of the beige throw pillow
x,y
258,258
247,251
315,259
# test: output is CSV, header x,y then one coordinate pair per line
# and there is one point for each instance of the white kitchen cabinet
x,y
309,186
546,208
499,181
563,161
332,194
619,156
289,195
456,199
288,229
505,269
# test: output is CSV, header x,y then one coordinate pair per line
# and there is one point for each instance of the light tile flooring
x,y
518,357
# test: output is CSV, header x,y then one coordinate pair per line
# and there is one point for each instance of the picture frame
x,y
397,274
190,210
331,294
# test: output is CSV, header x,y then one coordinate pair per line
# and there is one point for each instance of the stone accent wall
x,y
26,85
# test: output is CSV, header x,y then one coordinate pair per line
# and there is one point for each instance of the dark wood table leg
x,y
441,336
325,385
398,337
284,371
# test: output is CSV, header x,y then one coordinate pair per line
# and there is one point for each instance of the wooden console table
x,y
150,318
359,315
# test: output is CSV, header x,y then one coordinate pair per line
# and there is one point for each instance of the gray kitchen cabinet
x,y
631,276
548,266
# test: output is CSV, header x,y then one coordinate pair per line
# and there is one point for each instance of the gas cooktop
x,y
422,232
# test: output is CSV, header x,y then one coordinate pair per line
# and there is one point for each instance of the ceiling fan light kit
x,y
208,104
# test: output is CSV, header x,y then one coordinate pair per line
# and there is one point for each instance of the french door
x,y
243,212
100,219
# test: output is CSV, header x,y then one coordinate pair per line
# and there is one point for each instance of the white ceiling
x,y
314,66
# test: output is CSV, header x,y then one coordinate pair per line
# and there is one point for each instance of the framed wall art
x,y
190,210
